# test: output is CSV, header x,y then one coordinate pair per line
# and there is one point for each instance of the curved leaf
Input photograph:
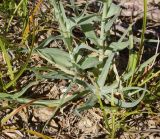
x,y
83,46
125,104
48,40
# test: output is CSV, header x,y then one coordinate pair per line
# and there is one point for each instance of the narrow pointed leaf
x,y
48,40
147,62
105,70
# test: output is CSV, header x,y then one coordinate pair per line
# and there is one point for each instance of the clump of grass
x,y
13,8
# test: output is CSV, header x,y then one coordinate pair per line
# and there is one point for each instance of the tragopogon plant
x,y
92,65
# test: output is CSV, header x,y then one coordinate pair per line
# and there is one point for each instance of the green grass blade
x,y
18,6
24,67
7,60
141,48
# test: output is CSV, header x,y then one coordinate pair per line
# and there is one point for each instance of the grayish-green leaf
x,y
105,70
83,46
87,19
56,55
18,94
109,89
92,100
147,62
113,10
48,40
117,46
109,24
89,33
127,75
125,104
90,62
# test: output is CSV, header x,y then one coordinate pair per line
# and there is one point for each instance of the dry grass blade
x,y
42,136
30,22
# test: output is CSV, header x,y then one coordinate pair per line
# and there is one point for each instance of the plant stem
x,y
103,22
141,48
64,31
103,111
113,125
98,95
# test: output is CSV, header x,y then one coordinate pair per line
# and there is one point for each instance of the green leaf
x,y
50,74
48,40
24,89
83,18
113,10
108,89
62,11
127,75
125,33
117,46
89,33
71,23
147,62
74,7
55,55
83,46
109,24
138,89
125,104
90,62
7,59
105,70
88,19
92,100
18,94
55,75
68,22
